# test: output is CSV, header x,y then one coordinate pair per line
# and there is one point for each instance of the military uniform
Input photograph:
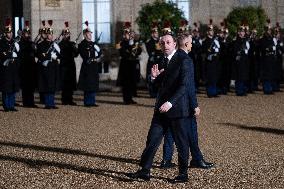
x,y
9,70
211,49
196,57
240,67
268,61
154,52
254,59
28,69
68,68
127,70
89,74
129,51
48,53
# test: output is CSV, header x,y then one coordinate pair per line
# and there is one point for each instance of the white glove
x,y
17,46
216,50
217,43
131,42
274,48
53,56
97,48
14,55
96,54
45,63
246,51
247,45
200,41
281,44
275,41
57,48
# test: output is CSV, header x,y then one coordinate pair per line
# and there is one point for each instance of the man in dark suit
x,y
172,108
168,148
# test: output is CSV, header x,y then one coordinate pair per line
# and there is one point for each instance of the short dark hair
x,y
182,37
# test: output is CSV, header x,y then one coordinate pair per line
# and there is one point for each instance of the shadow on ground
x,y
254,128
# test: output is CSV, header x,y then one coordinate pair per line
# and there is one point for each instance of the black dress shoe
x,y
6,110
54,107
13,110
167,164
140,174
48,107
95,105
181,178
201,164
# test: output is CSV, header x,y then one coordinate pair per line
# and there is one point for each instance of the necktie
x,y
165,62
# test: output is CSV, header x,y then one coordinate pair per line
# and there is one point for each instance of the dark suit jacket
x,y
176,85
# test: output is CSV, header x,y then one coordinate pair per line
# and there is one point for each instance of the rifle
x,y
98,39
51,49
7,61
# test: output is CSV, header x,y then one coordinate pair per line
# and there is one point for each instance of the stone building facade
x,y
117,12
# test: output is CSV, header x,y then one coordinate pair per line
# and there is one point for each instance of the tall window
x,y
183,5
98,14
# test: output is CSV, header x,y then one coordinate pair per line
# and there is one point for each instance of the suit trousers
x,y
159,127
193,142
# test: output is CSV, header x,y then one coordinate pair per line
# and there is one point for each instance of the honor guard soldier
x,y
279,56
240,67
268,50
129,51
225,60
89,74
211,49
154,51
9,68
68,51
40,38
28,67
48,53
254,59
195,55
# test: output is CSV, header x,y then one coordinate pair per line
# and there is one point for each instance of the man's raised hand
x,y
155,71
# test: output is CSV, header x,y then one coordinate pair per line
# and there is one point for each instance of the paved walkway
x,y
78,147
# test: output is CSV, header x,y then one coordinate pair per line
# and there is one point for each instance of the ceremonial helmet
x,y
210,26
27,27
154,27
268,25
8,26
196,28
87,29
127,27
49,29
167,28
66,30
42,28
183,26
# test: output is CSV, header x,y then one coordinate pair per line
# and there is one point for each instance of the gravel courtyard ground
x,y
78,147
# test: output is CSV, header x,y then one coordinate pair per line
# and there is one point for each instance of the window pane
x,y
92,1
88,12
103,12
104,30
184,6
